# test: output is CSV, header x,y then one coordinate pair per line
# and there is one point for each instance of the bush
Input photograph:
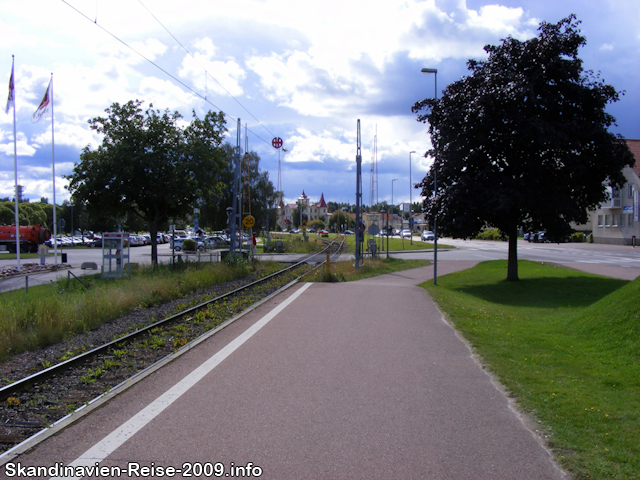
x,y
490,234
577,237
189,245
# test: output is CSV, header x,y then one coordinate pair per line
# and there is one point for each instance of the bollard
x,y
26,284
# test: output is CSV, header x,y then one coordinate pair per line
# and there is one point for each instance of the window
x,y
600,224
615,220
630,222
630,187
622,220
607,220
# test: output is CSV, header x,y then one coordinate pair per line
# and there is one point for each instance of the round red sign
x,y
276,142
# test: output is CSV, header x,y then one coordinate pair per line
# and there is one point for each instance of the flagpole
x,y
53,169
15,162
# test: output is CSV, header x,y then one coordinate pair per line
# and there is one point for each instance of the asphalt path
x,y
362,380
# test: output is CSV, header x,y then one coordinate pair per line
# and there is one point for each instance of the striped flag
x,y
12,94
44,105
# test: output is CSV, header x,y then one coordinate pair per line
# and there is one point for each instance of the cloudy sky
x,y
304,71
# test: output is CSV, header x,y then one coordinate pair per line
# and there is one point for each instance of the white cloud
x,y
210,75
22,146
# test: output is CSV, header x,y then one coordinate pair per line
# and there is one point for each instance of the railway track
x,y
36,402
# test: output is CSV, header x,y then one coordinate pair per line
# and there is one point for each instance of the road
x,y
611,260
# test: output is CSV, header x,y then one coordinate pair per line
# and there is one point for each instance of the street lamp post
x,y
435,184
394,180
410,200
73,243
387,212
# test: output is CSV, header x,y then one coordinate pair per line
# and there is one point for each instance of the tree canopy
x,y
148,164
523,141
258,192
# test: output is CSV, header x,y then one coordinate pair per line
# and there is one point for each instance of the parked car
x,y
348,232
215,241
427,236
406,233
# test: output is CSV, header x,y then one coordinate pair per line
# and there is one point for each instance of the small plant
x,y
119,353
155,342
93,375
108,364
13,401
189,245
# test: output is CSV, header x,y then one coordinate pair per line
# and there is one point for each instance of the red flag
x,y
44,105
12,95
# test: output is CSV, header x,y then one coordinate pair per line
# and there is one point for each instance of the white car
x,y
427,236
406,233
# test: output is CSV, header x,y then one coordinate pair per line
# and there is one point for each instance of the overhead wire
x,y
204,69
174,78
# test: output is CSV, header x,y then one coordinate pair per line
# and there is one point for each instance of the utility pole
x,y
359,229
235,213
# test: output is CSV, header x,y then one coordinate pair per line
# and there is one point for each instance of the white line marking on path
x,y
115,439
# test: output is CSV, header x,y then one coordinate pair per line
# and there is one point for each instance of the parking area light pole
x,y
435,184
410,200
394,180
387,213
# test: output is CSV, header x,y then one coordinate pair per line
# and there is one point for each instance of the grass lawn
x,y
566,344
346,271
395,244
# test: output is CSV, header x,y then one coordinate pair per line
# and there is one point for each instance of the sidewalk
x,y
363,380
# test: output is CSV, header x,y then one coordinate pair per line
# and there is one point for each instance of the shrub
x,y
490,234
577,237
189,245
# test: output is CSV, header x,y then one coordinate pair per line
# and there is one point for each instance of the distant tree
x,y
523,141
148,165
340,220
316,225
258,192
7,213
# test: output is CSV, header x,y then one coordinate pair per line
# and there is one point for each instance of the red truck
x,y
30,237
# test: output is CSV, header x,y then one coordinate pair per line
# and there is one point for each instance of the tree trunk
x,y
512,264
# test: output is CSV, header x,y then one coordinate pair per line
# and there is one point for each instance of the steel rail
x,y
26,382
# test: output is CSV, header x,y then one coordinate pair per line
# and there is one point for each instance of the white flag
x,y
12,95
44,105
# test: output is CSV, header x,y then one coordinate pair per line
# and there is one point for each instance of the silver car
x,y
427,236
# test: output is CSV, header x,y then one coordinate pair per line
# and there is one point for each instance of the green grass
x,y
395,244
346,271
567,346
50,313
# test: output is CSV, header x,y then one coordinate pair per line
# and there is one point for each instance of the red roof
x,y
322,203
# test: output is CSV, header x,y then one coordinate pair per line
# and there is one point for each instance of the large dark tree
x,y
148,165
522,142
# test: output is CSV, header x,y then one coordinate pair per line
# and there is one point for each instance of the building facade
x,y
313,211
617,221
